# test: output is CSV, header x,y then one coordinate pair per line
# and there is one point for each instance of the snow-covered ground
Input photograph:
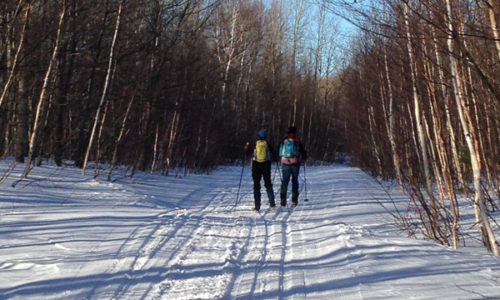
x,y
66,236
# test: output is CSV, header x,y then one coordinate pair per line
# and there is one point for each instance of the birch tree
x,y
494,24
41,101
16,56
479,202
106,84
390,119
420,126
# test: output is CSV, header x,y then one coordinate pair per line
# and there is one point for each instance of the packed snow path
x,y
64,236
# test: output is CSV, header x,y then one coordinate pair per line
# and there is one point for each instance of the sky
x,y
68,236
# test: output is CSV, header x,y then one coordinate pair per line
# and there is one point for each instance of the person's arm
x,y
249,147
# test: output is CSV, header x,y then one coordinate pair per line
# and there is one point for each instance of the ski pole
x,y
280,171
305,182
241,177
276,170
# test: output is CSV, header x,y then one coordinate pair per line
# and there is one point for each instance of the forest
x,y
180,85
159,85
423,93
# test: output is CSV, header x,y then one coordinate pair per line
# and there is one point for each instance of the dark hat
x,y
292,129
262,134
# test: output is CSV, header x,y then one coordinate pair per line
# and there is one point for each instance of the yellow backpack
x,y
261,153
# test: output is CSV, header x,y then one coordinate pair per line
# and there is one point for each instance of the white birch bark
x,y
443,158
155,150
494,25
419,124
449,125
297,31
441,149
390,124
99,135
479,144
416,102
34,132
371,121
122,133
6,50
230,50
479,203
172,138
16,56
105,89
413,132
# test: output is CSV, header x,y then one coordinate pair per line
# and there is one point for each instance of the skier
x,y
291,151
261,153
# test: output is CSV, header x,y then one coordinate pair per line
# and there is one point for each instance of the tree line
x,y
423,95
161,85
180,85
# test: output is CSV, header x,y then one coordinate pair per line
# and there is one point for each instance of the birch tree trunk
x,y
106,84
172,139
433,128
34,132
318,62
99,136
82,136
479,203
16,56
478,134
445,169
420,127
231,50
6,45
449,125
155,150
413,132
297,31
122,133
390,124
442,156
494,25
371,121
67,72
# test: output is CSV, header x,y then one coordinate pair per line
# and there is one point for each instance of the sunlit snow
x,y
67,236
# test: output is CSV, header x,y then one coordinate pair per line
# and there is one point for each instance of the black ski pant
x,y
260,170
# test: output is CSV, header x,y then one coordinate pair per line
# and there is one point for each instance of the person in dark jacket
x,y
262,154
291,153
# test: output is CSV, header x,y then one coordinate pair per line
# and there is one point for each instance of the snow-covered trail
x,y
63,236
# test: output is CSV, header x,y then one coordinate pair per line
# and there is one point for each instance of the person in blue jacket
x,y
291,153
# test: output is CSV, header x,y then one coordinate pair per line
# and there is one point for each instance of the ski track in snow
x,y
157,237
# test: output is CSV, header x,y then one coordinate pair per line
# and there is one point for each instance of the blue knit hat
x,y
262,134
